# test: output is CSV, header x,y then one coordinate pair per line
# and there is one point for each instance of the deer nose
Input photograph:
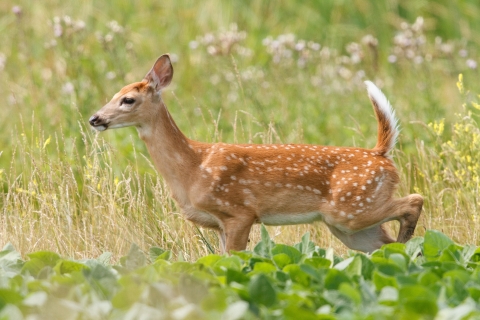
x,y
93,119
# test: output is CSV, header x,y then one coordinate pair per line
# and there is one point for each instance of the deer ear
x,y
161,73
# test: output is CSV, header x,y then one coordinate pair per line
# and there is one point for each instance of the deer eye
x,y
127,100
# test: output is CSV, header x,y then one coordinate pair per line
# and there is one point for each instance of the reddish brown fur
x,y
228,187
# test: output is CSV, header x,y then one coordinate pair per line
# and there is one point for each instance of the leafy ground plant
x,y
430,277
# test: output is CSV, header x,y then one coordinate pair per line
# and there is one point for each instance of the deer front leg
x,y
237,230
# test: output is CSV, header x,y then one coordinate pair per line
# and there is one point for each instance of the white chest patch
x,y
277,219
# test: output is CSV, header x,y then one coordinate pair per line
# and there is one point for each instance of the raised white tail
x,y
229,187
387,122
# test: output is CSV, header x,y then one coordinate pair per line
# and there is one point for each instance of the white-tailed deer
x,y
229,187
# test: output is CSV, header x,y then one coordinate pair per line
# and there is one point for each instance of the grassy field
x,y
245,71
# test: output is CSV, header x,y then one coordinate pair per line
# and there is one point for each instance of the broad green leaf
x,y
389,268
427,278
8,296
318,262
104,258
355,267
140,310
45,272
295,311
281,277
418,300
457,292
165,256
335,278
350,292
388,295
218,299
264,267
193,287
48,258
33,266
306,246
297,274
10,311
10,260
102,279
339,301
330,256
209,260
452,253
264,247
314,273
180,267
382,280
11,263
476,255
261,290
68,266
324,311
281,260
237,276
344,264
292,252
367,266
230,262
413,247
474,290
466,310
7,249
467,252
127,296
235,311
398,260
99,271
240,289
156,252
134,259
406,280
244,255
434,244
415,292
36,299
394,247
461,275
421,306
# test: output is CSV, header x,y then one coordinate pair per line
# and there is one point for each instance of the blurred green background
x,y
62,60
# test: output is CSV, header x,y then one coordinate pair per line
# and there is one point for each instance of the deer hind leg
x,y
408,212
366,233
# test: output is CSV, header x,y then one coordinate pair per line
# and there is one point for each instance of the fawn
x,y
229,187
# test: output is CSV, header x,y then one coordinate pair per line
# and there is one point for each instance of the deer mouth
x,y
97,123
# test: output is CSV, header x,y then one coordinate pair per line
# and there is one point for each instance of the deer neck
x,y
171,151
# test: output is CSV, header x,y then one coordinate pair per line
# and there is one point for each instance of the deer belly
x,y
277,219
202,218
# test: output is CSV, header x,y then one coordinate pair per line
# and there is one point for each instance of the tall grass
x,y
244,72
448,173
